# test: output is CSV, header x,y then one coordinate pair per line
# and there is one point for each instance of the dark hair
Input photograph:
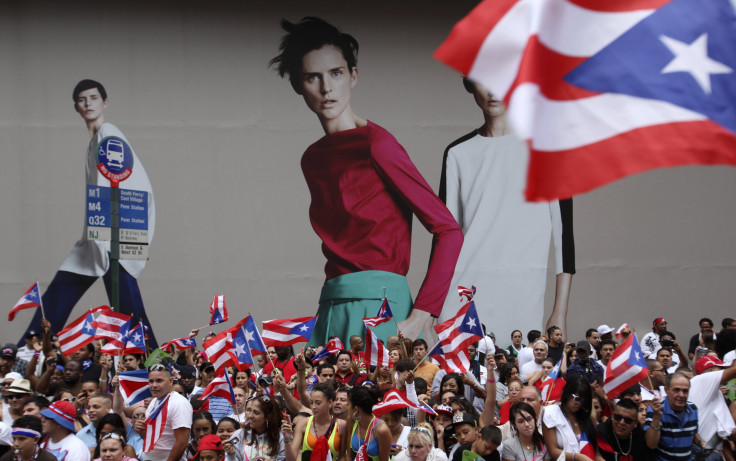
x,y
363,398
419,342
610,342
420,385
668,333
404,365
85,85
345,352
533,335
328,391
514,411
628,404
207,416
504,372
492,434
469,87
551,329
139,358
635,389
307,35
458,378
41,402
580,387
706,319
726,322
725,342
466,405
590,332
230,420
322,366
272,413
29,422
512,333
117,422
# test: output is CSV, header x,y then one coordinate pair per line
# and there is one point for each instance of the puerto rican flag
x,y
333,346
392,400
285,332
112,326
605,89
218,351
376,354
221,386
30,299
455,335
586,448
77,334
135,342
551,381
181,344
384,315
626,367
253,336
155,424
218,310
240,346
134,386
467,293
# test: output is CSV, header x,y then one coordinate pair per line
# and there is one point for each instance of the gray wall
x,y
221,137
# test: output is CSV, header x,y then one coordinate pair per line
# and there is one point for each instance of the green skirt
x,y
347,299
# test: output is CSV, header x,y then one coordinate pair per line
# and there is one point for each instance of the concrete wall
x,y
221,137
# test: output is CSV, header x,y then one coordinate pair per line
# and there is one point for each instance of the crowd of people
x,y
290,407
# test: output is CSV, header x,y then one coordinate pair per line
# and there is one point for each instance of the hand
x,y
439,429
114,381
194,333
81,400
228,447
45,325
300,362
676,346
286,428
656,407
423,399
490,363
38,347
396,450
468,381
410,377
279,384
106,362
139,425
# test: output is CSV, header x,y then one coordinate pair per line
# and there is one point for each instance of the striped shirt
x,y
677,431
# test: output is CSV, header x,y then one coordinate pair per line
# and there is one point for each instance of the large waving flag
x,y
285,332
253,336
626,367
376,355
384,315
452,361
30,299
134,386
392,400
240,346
77,334
333,346
181,344
112,326
605,89
455,335
218,310
221,386
218,351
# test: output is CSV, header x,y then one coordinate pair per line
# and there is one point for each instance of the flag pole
x,y
40,299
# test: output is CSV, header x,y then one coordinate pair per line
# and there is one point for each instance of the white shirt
x,y
179,415
650,344
713,414
526,354
91,257
70,448
527,369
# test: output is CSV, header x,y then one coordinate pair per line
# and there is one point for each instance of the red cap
x,y
657,321
208,442
706,362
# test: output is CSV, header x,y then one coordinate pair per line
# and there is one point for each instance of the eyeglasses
x,y
576,398
263,398
626,419
139,416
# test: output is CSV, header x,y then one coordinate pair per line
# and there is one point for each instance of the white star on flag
x,y
239,349
304,328
693,58
471,322
248,336
136,337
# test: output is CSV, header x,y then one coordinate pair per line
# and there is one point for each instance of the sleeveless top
x,y
310,440
356,442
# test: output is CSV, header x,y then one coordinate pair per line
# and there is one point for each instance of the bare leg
x,y
559,310
418,322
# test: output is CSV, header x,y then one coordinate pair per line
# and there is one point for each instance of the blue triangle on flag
x,y
471,322
636,356
304,329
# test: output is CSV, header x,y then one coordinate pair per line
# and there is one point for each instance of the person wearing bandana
x,y
26,436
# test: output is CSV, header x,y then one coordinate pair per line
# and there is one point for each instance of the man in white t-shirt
x,y
715,422
532,371
58,425
526,354
177,413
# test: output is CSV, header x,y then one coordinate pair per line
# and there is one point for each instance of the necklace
x,y
524,449
619,444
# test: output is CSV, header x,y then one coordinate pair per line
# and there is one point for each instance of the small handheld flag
x,y
30,299
218,310
286,332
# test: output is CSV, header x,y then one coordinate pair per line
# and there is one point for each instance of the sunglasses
x,y
158,367
626,419
263,398
16,396
112,435
577,398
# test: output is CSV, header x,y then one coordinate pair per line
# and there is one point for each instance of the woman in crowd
x,y
110,424
366,428
261,437
112,447
506,373
563,425
452,382
399,432
447,397
383,378
202,424
242,381
132,362
527,443
516,346
553,393
226,428
319,433
421,446
513,397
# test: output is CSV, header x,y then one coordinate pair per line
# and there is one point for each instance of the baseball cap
x,y
462,418
9,350
444,409
604,329
585,345
208,442
706,362
187,371
658,320
31,334
62,412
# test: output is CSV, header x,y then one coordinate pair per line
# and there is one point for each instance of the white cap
x,y
604,329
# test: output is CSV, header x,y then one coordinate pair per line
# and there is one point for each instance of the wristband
x,y
490,381
36,354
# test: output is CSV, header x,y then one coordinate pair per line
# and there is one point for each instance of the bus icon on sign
x,y
115,153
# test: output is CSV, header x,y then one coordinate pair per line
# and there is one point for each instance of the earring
x,y
356,418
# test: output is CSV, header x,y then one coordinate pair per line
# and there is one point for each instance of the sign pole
x,y
115,245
